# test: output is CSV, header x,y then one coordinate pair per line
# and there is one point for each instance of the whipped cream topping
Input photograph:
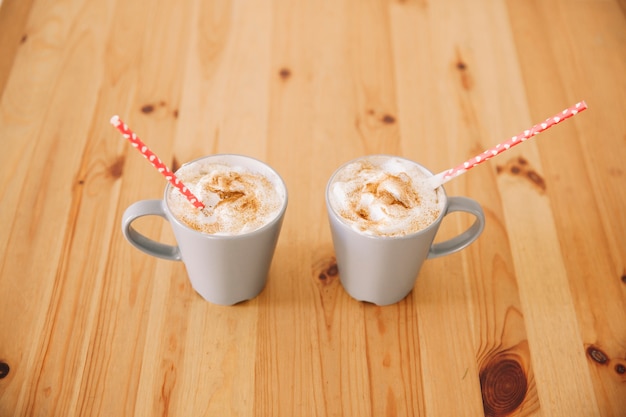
x,y
237,200
384,196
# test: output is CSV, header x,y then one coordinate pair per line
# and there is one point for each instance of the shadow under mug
x,y
383,270
223,269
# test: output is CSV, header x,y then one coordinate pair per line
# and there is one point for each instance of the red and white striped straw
x,y
445,176
155,161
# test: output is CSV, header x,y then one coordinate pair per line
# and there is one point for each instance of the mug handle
x,y
461,241
141,242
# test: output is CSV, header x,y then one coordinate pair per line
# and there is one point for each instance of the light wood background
x,y
528,321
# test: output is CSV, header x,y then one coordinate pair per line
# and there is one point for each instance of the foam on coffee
x,y
237,199
384,196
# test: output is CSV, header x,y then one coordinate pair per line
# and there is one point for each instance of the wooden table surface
x,y
530,320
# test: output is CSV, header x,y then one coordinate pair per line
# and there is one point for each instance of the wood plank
x,y
124,295
13,17
282,348
499,342
595,277
46,200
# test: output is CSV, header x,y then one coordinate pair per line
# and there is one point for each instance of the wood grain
x,y
527,321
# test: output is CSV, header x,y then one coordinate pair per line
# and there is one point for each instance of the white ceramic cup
x,y
223,269
383,270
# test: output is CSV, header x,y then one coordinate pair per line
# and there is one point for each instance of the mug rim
x,y
279,215
343,222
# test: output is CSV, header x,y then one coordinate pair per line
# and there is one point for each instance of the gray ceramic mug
x,y
383,270
223,269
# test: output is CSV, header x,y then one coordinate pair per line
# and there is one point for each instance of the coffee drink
x,y
227,247
384,218
384,196
237,199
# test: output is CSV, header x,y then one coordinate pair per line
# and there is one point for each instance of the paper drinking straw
x,y
445,176
155,161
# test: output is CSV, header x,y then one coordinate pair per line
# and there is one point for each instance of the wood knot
x,y
504,385
520,167
324,269
117,167
388,119
4,370
374,117
175,164
284,73
329,273
597,355
150,108
147,109
467,81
